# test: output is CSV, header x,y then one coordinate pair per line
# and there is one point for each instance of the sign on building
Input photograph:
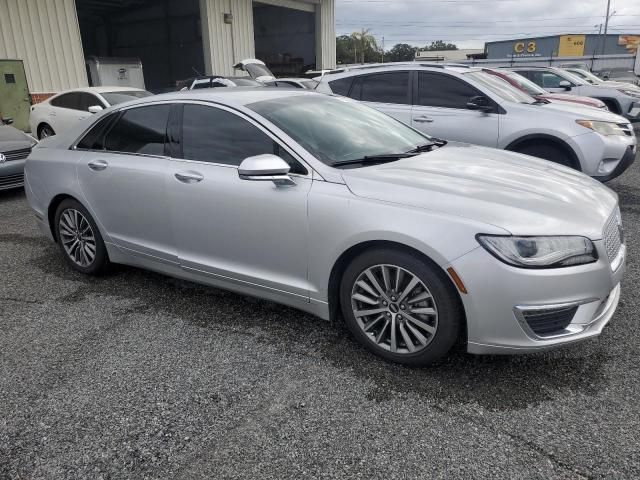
x,y
571,46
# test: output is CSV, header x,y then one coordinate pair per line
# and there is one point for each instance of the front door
x,y
15,101
125,182
440,110
253,232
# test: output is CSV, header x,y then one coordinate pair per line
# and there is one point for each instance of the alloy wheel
x,y
394,309
77,237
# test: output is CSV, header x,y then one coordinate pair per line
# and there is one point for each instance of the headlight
x,y
603,128
540,252
629,92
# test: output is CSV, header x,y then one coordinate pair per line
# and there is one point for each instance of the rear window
x,y
341,86
141,130
113,98
94,139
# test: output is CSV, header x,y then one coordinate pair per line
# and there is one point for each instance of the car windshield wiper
x,y
385,157
427,147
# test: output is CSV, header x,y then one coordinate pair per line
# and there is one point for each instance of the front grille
x,y
11,181
17,154
612,236
550,321
627,129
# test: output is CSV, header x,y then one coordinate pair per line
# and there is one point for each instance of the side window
x,y
88,100
535,77
140,130
94,139
341,86
438,90
551,80
67,100
210,134
385,88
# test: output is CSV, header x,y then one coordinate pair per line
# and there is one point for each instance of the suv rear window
x,y
341,86
383,88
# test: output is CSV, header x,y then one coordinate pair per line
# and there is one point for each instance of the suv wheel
x,y
548,151
399,307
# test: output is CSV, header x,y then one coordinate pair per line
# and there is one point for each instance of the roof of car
x,y
236,96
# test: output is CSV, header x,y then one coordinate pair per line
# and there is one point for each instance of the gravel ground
x,y
137,375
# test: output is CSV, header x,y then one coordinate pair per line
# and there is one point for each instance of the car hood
x,y
573,99
518,193
13,139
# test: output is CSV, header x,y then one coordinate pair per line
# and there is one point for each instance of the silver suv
x,y
468,105
621,98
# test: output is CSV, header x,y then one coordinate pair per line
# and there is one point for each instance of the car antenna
x,y
324,72
196,71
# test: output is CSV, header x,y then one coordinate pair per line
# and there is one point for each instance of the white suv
x,y
468,105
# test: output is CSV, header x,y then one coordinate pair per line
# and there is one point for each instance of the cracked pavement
x,y
136,375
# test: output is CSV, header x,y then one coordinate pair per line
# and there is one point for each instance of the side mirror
x,y
480,103
566,84
265,168
94,109
7,120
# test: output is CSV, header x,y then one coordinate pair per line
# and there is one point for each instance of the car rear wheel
x,y
400,307
548,151
79,238
45,131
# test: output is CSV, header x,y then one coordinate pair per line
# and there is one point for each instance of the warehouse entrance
x,y
285,38
164,34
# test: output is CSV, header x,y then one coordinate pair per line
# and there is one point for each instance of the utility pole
x,y
383,49
606,26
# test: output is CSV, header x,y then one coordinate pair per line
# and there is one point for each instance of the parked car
x,y
589,77
324,204
527,86
15,147
215,81
259,71
60,112
619,99
469,105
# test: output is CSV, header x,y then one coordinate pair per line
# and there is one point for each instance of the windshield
x,y
524,83
573,78
337,129
499,87
588,76
114,98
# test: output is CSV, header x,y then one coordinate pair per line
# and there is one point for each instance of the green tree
x,y
345,52
401,52
439,45
366,47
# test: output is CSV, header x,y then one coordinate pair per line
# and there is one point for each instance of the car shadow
x,y
492,382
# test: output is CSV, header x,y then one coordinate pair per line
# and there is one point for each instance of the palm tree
x,y
363,41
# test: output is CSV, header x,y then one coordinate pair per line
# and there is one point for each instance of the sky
x,y
471,23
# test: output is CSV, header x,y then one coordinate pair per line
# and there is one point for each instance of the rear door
x,y
124,179
389,92
15,101
66,111
440,109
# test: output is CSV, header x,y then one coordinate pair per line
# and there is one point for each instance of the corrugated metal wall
x,y
46,36
226,43
326,34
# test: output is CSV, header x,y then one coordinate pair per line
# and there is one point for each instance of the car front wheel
x,y
400,306
79,238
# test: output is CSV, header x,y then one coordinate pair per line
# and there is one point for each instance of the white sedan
x,y
61,111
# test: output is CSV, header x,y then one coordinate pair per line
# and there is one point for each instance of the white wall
x,y
45,35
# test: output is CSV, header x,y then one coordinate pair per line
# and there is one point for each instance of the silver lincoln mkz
x,y
334,208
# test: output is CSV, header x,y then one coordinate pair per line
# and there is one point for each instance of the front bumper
x,y
11,174
604,157
494,324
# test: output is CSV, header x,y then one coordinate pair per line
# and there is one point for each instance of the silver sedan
x,y
332,207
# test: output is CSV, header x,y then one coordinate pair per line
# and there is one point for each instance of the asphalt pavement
x,y
136,375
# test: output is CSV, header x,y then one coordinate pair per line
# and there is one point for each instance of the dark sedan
x,y
15,147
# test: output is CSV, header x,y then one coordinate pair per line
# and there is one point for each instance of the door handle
x,y
189,177
423,119
98,165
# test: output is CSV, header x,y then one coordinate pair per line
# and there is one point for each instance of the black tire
x,y
612,105
450,316
100,262
549,151
45,131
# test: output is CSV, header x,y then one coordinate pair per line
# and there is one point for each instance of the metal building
x,y
174,39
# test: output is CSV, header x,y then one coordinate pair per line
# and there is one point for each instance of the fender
x,y
513,146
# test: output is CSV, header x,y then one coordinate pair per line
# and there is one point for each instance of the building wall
x,y
46,37
226,43
326,34
549,46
